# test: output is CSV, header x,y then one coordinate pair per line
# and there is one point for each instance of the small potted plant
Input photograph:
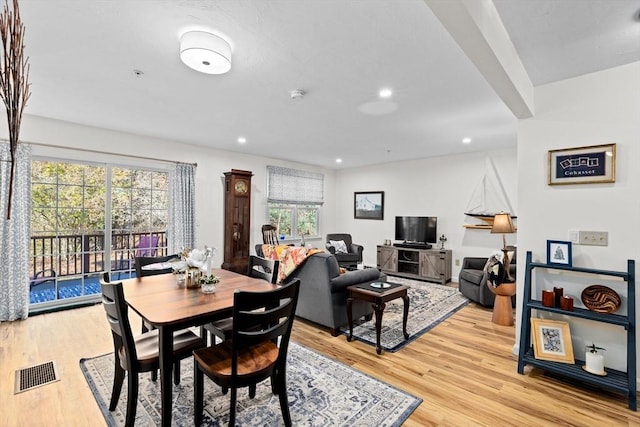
x,y
594,360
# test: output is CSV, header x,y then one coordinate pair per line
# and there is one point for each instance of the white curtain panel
x,y
15,233
182,213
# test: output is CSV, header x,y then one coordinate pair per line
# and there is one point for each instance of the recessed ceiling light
x,y
466,140
338,160
297,94
385,93
242,140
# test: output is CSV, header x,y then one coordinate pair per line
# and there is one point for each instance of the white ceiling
x,y
341,52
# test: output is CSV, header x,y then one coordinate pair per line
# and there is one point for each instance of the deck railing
x,y
85,254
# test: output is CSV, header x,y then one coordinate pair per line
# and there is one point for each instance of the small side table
x,y
377,298
502,309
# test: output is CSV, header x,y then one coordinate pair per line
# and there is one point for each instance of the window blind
x,y
294,186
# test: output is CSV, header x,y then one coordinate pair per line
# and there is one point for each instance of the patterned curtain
x,y
15,234
182,212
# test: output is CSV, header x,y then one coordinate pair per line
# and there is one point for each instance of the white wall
x,y
598,108
209,173
438,186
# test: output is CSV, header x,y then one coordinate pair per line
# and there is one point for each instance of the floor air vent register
x,y
35,376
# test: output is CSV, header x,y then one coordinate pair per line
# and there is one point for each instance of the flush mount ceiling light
x,y
205,52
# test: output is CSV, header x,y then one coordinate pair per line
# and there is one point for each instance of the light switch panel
x,y
593,238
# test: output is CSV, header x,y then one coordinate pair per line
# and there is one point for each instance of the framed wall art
x,y
368,205
551,340
582,165
559,252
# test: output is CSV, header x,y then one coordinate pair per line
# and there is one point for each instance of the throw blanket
x,y
290,257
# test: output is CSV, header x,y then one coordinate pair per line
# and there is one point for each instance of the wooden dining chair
x,y
261,268
257,351
141,261
269,235
137,354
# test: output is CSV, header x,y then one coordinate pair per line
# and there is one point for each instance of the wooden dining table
x,y
168,306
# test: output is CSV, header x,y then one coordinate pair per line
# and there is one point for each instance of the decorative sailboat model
x,y
488,199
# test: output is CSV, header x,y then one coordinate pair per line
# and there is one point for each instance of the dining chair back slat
x,y
142,261
263,268
269,235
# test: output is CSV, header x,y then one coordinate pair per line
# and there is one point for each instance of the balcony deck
x,y
65,269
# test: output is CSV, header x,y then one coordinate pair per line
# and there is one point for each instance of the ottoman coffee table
x,y
377,293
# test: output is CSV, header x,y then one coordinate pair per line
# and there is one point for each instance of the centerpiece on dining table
x,y
194,269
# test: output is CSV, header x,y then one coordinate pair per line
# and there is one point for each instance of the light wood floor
x,y
462,369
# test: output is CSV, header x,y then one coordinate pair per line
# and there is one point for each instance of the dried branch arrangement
x,y
14,79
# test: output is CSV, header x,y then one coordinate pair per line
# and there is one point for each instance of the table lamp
x,y
502,223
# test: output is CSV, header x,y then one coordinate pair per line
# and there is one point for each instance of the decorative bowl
x,y
600,299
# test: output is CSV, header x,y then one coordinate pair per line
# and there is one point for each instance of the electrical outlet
x,y
457,262
593,238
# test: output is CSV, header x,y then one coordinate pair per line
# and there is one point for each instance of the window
x,y
89,218
294,201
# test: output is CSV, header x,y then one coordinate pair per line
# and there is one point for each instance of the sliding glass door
x,y
86,219
138,216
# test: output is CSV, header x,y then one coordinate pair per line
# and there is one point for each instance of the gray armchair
x,y
352,257
472,281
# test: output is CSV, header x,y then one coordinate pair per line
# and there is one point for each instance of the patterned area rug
x,y
322,392
429,304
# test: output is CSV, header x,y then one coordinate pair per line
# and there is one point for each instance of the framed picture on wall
x,y
559,253
368,205
582,165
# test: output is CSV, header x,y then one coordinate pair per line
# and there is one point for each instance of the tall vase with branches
x,y
14,80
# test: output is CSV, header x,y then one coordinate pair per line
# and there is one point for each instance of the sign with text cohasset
x,y
582,165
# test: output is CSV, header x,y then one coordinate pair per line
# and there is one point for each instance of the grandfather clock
x,y
237,221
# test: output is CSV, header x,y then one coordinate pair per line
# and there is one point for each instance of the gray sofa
x,y
323,295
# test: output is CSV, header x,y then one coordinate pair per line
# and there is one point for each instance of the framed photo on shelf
x,y
551,340
368,205
582,165
559,253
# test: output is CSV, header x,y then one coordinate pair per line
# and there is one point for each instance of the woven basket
x,y
600,299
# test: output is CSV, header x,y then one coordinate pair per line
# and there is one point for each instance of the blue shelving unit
x,y
624,382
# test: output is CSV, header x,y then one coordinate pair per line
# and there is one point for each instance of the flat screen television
x,y
417,229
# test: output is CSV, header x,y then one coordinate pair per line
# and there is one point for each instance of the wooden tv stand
x,y
433,265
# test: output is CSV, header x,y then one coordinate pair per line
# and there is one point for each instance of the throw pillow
x,y
495,255
495,270
340,246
